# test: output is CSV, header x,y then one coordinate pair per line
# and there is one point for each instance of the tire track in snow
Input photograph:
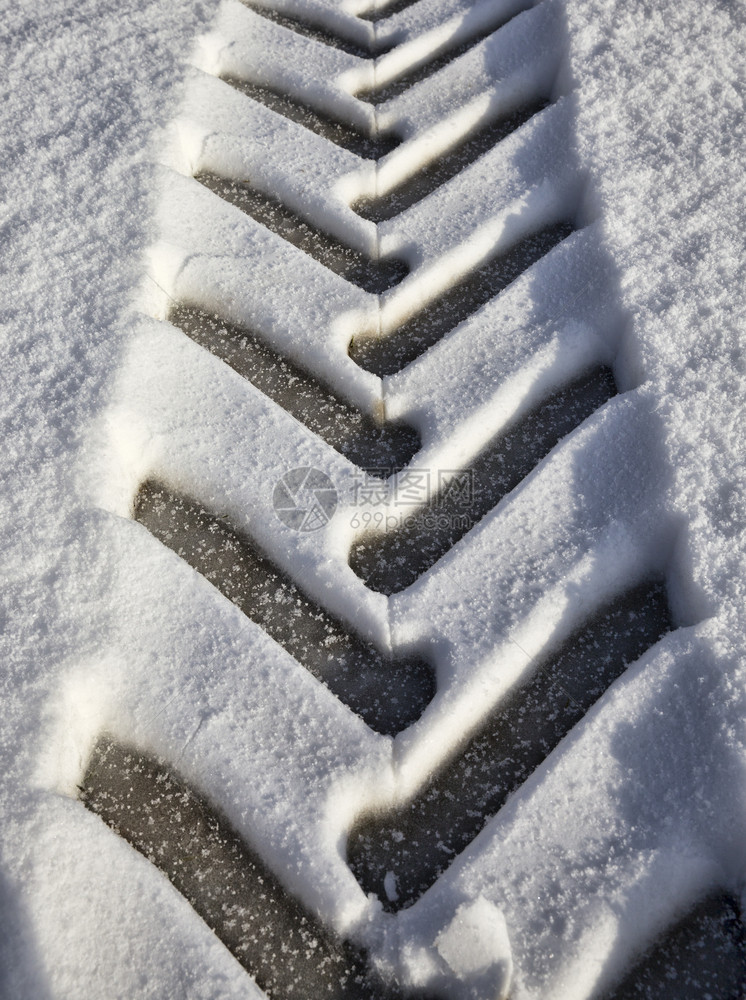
x,y
285,948
703,955
366,442
389,354
388,693
400,854
396,854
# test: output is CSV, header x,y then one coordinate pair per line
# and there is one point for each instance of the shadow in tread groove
x,y
432,176
285,948
380,12
391,561
345,428
390,353
703,956
388,694
417,841
317,33
445,55
340,133
374,276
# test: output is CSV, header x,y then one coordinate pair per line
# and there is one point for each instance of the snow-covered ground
x,y
107,109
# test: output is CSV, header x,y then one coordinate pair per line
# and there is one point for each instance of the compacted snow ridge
x,y
374,521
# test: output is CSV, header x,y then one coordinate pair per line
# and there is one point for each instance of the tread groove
x,y
374,276
391,561
380,13
349,431
233,891
703,955
389,694
419,840
447,54
340,133
445,167
387,355
315,32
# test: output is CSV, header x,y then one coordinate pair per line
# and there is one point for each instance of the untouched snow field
x,y
641,811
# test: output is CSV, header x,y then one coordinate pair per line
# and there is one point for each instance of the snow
x,y
106,111
476,940
249,46
217,131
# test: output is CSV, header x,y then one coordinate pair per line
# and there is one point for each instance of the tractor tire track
x,y
399,852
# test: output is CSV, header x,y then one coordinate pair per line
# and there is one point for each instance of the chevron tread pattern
x,y
400,260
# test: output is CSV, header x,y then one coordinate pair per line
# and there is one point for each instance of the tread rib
x,y
375,276
228,885
392,561
420,839
349,431
388,694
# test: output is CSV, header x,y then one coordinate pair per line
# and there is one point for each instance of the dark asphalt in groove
x,y
381,11
340,133
334,39
418,841
446,166
388,694
374,276
445,55
389,562
290,954
702,956
388,354
346,429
